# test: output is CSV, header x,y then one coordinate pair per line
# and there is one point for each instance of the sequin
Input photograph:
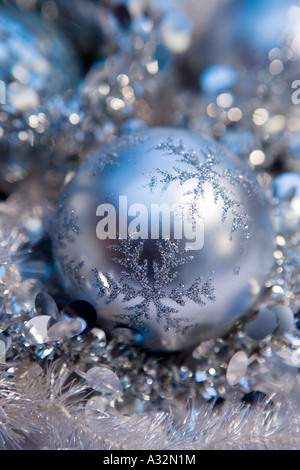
x,y
236,368
82,311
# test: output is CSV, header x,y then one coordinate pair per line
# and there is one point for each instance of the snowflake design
x,y
69,228
73,269
100,163
206,172
153,280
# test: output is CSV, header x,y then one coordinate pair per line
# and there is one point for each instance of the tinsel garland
x,y
42,413
82,391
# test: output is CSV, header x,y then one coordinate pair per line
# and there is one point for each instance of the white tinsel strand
x,y
16,420
35,414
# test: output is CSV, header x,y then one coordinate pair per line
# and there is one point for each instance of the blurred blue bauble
x,y
242,34
257,26
36,60
37,64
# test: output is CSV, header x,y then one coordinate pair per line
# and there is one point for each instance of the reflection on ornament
x,y
180,267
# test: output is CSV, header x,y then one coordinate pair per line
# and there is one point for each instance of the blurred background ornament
x,y
248,35
135,84
36,62
173,293
237,77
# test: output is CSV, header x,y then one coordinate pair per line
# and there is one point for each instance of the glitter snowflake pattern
x,y
206,172
153,281
73,269
111,157
69,228
236,271
100,163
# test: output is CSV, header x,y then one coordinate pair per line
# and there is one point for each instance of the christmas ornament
x,y
36,63
246,32
167,234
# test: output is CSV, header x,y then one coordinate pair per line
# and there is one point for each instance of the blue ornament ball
x,y
37,61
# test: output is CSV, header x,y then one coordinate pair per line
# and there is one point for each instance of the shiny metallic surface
x,y
173,292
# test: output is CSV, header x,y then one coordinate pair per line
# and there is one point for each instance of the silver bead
x,y
167,234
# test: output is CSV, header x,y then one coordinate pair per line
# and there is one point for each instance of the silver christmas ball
x,y
247,41
167,234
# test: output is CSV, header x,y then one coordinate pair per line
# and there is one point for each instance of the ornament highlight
x,y
168,234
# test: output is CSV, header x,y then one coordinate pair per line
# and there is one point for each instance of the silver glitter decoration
x,y
154,292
